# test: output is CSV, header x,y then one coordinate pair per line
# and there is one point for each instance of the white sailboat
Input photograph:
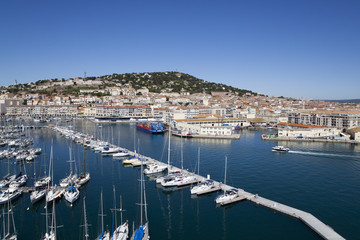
x,y
45,180
72,194
39,193
9,195
104,235
142,233
204,186
65,182
7,235
158,168
51,234
122,231
228,194
85,177
53,192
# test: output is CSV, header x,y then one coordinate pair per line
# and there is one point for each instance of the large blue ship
x,y
152,127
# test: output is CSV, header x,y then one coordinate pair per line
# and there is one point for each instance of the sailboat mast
x,y
8,217
169,148
141,196
225,169
70,160
198,161
102,212
121,210
113,216
46,216
182,155
84,162
54,220
3,215
85,222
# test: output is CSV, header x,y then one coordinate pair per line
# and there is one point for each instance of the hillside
x,y
154,81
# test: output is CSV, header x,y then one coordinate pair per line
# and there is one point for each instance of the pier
x,y
323,230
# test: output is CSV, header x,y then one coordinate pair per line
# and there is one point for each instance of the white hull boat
x,y
121,232
155,168
71,194
227,196
53,194
204,186
9,195
37,195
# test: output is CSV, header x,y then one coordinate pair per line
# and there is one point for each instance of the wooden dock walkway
x,y
308,219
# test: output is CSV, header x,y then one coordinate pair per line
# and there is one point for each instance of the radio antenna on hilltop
x,y
84,75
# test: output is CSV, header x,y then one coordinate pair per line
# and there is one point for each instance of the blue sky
x,y
307,48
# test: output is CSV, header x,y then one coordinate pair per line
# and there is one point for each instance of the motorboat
x,y
130,160
204,186
280,149
110,150
155,168
120,154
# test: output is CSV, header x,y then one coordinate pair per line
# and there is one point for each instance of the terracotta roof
x,y
354,130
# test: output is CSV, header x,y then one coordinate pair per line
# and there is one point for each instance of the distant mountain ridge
x,y
154,81
344,100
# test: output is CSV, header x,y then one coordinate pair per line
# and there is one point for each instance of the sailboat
x,y
142,233
6,231
72,193
51,235
45,180
181,179
85,177
122,231
104,235
228,194
65,182
85,223
204,186
39,192
54,192
158,168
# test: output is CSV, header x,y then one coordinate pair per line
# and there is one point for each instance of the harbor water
x,y
320,178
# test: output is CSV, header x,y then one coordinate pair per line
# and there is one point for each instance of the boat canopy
x,y
139,233
71,189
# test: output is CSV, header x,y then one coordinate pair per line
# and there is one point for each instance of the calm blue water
x,y
320,178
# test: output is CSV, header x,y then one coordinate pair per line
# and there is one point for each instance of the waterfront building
x,y
298,131
354,133
338,119
210,125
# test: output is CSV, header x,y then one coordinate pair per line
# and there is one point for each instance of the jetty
x,y
323,230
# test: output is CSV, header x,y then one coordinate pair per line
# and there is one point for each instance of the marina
x,y
316,225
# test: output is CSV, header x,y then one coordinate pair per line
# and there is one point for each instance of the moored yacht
x,y
204,186
9,195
